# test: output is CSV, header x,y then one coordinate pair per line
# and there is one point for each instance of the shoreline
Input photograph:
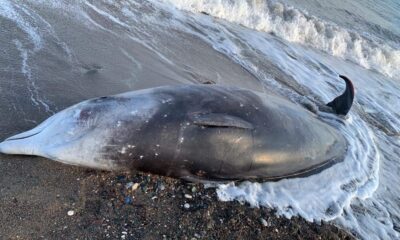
x,y
56,201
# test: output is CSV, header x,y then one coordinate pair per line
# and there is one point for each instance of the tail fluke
x,y
342,104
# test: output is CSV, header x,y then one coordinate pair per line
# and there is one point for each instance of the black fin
x,y
219,120
342,104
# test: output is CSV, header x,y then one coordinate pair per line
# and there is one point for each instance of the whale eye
x,y
101,99
84,114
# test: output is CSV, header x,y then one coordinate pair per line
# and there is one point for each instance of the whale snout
x,y
24,143
18,145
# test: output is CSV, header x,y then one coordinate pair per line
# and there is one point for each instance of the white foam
x,y
32,88
296,26
107,15
13,13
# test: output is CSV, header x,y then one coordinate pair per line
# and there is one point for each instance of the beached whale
x,y
195,132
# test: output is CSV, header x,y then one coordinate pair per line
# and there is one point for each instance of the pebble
x,y
70,213
161,187
128,200
187,205
129,185
264,222
135,186
188,196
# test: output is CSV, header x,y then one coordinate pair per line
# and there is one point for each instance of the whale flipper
x,y
342,104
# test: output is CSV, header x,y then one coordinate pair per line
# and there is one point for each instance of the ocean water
x,y
58,53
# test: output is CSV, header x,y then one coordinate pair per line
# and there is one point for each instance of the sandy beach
x,y
42,199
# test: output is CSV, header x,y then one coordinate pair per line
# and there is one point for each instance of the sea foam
x,y
297,26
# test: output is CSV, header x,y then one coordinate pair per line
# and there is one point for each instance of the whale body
x,y
194,132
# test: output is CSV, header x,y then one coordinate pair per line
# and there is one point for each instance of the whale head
x,y
80,134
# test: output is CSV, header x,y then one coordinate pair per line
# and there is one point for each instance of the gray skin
x,y
194,132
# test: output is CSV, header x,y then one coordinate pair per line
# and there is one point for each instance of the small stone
x,y
161,187
194,189
264,222
196,235
129,185
276,230
70,213
123,237
187,205
121,177
188,196
124,233
128,200
135,186
210,225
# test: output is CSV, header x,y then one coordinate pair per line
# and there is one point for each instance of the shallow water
x,y
56,54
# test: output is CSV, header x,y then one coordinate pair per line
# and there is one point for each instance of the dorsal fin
x,y
342,104
219,120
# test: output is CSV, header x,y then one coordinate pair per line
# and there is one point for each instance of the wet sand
x,y
37,194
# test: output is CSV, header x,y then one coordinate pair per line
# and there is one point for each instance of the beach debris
x,y
70,213
264,222
128,200
129,185
135,186
160,187
188,196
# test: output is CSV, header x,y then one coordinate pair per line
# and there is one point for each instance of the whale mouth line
x,y
19,138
